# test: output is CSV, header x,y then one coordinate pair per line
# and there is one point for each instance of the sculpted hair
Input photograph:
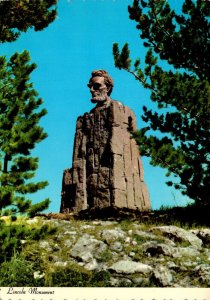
x,y
107,79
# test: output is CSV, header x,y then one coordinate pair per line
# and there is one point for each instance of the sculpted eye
x,y
96,86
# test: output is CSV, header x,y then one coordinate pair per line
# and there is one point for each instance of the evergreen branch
x,y
145,84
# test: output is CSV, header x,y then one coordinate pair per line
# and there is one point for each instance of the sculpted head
x,y
100,85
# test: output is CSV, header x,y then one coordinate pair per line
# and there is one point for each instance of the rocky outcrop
x,y
179,234
107,169
130,253
130,267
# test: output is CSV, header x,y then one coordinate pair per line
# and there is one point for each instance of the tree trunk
x,y
6,160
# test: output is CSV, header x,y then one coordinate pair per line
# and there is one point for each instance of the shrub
x,y
18,272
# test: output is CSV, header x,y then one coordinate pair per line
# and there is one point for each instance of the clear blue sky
x,y
79,41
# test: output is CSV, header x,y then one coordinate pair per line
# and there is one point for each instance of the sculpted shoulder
x,y
123,113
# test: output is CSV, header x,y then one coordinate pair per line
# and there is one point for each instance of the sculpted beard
x,y
99,96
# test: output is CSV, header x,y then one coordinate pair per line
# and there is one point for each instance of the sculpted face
x,y
98,90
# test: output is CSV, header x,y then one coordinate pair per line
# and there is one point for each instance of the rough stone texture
x,y
156,249
116,246
45,245
144,260
162,276
203,234
186,252
107,169
88,248
179,234
110,235
130,267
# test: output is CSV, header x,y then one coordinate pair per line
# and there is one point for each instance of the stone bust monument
x,y
100,86
106,169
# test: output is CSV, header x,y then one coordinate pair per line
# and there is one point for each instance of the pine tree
x,y
19,16
177,134
20,114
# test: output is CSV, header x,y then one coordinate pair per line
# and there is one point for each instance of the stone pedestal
x,y
107,169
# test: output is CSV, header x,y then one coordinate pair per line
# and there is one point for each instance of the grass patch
x,y
19,272
76,276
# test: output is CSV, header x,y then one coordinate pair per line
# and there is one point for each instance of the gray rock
x,y
45,245
114,282
125,282
38,275
86,256
203,268
189,264
205,279
116,246
179,235
130,267
207,253
130,232
168,242
92,265
171,265
126,257
110,235
55,223
68,243
61,263
162,276
128,240
132,254
203,234
186,252
186,282
70,233
145,235
54,258
150,236
56,247
105,223
88,246
156,249
86,226
140,281
134,243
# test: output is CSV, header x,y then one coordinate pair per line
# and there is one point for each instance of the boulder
x,y
87,248
179,235
130,267
162,276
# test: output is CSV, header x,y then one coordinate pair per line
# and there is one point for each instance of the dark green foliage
x,y
70,278
10,240
12,236
20,114
18,272
100,279
75,277
178,138
19,16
